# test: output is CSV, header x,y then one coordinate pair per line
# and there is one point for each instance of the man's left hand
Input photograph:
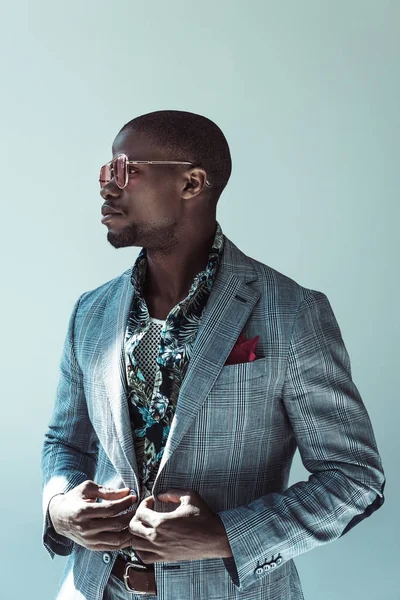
x,y
190,532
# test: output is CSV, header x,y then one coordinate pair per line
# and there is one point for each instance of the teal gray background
x,y
307,94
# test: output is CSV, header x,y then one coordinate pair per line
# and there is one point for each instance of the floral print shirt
x,y
152,407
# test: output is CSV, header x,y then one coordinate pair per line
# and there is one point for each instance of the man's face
x,y
151,203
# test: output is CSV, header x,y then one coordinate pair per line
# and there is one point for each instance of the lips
x,y
108,210
110,217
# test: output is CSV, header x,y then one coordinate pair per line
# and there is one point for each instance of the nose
x,y
110,190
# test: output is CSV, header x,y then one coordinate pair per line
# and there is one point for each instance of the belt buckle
x,y
135,567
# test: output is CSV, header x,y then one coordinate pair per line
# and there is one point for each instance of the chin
x,y
122,239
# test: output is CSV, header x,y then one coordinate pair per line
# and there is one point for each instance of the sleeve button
x,y
106,557
259,571
273,565
266,567
278,561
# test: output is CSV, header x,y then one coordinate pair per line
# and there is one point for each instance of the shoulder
x,y
278,288
99,294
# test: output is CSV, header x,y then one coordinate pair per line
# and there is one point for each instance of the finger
x,y
108,540
148,502
89,489
96,526
176,495
146,505
139,542
146,513
109,493
107,508
139,529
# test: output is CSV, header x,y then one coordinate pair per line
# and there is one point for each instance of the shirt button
x,y
259,571
106,557
156,417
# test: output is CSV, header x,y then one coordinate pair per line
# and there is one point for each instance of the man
x,y
186,385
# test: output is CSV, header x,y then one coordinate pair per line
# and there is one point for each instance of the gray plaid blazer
x,y
233,436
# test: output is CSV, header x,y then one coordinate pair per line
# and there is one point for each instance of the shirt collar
x,y
205,277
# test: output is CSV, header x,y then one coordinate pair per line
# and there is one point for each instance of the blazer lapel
x,y
229,306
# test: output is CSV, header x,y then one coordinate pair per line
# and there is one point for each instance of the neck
x,y
170,275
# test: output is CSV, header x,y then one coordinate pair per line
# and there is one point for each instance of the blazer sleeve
x,y
69,453
337,446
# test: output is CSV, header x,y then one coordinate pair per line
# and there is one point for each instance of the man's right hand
x,y
77,516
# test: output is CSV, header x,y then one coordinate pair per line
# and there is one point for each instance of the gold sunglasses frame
x,y
146,162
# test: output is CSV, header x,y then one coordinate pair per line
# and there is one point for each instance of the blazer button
x,y
106,557
259,571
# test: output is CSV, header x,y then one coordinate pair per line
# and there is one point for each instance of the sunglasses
x,y
118,168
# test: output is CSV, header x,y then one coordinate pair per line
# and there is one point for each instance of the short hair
x,y
189,137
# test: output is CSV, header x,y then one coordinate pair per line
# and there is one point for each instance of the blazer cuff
x,y
250,560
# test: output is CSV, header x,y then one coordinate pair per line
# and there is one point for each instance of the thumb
x,y
177,495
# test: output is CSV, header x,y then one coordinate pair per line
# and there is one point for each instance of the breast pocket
x,y
241,399
241,372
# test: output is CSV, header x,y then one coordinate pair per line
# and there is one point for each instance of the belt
x,y
136,577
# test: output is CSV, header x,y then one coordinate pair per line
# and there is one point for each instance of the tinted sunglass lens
x,y
119,166
105,175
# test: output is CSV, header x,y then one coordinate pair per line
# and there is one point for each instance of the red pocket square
x,y
243,350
